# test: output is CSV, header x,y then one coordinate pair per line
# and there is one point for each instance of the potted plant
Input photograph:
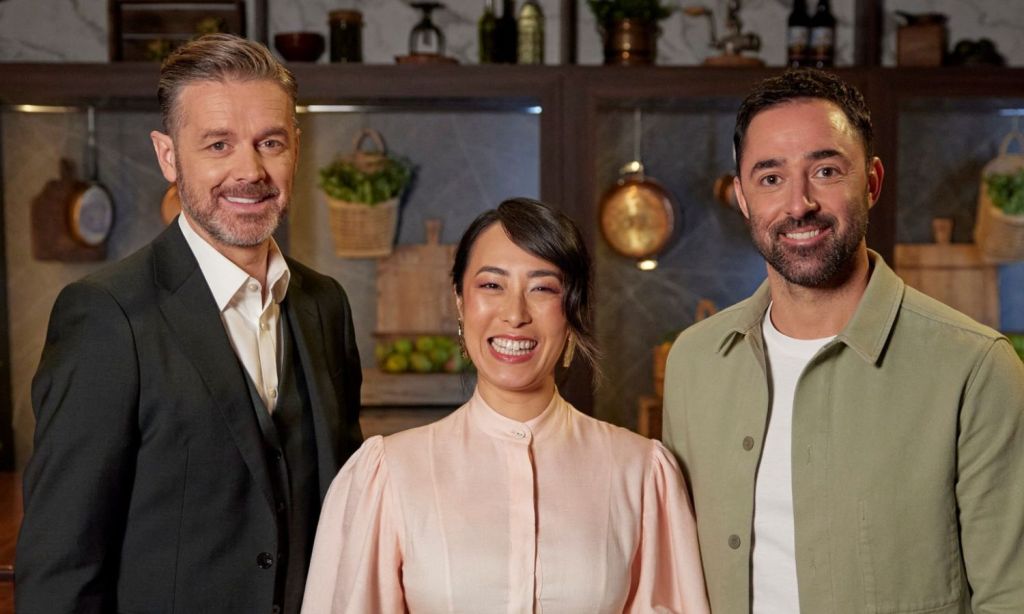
x,y
363,190
629,29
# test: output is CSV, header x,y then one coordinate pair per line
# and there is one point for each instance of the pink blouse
x,y
480,513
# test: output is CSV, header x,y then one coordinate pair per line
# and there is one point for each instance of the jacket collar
x,y
867,331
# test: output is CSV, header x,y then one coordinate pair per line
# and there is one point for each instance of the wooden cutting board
x,y
414,288
954,273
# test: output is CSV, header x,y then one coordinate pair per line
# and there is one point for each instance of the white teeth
x,y
242,201
807,234
510,347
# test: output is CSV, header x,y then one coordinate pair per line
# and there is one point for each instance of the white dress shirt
x,y
252,322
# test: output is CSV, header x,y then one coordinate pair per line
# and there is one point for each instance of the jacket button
x,y
748,443
264,560
734,541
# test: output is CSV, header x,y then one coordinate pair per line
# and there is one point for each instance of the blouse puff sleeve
x,y
356,563
667,574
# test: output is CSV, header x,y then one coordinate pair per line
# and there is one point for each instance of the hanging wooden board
x,y
414,288
954,273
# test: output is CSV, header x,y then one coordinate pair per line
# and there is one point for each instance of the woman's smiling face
x,y
512,317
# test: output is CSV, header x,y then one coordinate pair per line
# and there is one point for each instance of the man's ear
x,y
163,144
741,200
876,173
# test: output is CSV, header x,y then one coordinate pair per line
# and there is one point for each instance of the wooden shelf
x,y
111,83
415,389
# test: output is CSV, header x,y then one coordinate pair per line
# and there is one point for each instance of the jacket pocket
x,y
909,562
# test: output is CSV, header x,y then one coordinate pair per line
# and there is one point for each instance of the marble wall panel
x,y
76,30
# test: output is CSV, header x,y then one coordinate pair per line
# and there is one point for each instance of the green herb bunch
x,y
1006,190
608,11
343,180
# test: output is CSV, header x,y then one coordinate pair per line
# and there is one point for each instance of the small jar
x,y
346,36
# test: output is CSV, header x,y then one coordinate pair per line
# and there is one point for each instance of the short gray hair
x,y
217,57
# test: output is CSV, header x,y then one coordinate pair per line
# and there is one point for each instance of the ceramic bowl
x,y
299,46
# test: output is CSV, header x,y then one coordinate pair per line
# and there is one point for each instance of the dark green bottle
x,y
486,32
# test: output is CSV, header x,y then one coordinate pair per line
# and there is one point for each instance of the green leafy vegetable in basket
x,y
344,180
1006,191
1017,339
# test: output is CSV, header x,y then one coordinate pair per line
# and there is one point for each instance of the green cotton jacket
x,y
908,456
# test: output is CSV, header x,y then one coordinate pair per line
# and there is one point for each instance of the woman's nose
x,y
516,311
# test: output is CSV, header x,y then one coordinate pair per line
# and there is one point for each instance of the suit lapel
x,y
191,313
304,317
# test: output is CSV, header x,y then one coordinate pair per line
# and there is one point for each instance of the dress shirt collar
x,y
867,331
224,277
484,417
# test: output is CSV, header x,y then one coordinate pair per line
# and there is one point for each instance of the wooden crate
x,y
150,29
920,45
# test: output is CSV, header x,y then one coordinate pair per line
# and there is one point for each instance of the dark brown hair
x,y
217,57
799,84
550,235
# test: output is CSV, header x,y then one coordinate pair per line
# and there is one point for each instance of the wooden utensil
x,y
954,273
414,288
51,220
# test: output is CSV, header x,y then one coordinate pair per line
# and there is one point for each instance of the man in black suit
x,y
194,401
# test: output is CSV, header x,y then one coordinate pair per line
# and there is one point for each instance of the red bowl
x,y
299,46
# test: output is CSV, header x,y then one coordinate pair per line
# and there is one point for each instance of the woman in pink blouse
x,y
516,502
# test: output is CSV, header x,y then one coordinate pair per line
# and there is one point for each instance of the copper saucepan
x,y
90,206
637,214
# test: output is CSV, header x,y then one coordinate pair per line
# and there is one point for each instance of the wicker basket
x,y
361,230
999,236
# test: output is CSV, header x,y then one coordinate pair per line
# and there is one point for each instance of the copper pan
x,y
635,190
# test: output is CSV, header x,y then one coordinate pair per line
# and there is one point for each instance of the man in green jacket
x,y
851,444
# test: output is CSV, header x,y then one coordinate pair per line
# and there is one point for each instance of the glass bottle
x,y
505,34
823,36
798,35
486,28
530,30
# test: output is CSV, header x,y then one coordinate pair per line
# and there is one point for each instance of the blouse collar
x,y
496,425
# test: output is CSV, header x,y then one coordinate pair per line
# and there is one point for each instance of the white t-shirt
x,y
774,566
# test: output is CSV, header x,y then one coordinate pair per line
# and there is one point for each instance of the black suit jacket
x,y
148,489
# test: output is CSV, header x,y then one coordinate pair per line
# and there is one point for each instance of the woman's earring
x,y
570,349
462,342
